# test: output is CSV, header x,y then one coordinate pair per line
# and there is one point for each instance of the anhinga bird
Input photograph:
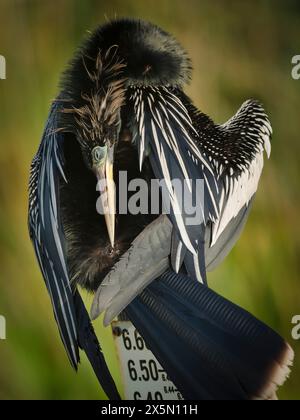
x,y
122,108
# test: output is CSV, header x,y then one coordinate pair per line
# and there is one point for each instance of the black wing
x,y
182,143
236,152
46,232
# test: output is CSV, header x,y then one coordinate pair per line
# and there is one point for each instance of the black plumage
x,y
122,107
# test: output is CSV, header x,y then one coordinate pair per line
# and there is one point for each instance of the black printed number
x,y
149,370
127,341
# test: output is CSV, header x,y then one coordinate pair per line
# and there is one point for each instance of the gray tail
x,y
210,348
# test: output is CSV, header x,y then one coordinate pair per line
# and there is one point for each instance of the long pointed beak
x,y
104,174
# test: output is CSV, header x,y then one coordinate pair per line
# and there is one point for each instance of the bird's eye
x,y
98,154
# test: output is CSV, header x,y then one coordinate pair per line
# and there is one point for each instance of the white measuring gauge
x,y
143,377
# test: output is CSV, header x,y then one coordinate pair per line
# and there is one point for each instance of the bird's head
x,y
92,99
119,55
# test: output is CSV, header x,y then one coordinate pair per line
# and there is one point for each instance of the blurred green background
x,y
239,50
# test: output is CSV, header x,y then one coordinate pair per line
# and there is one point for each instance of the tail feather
x,y
88,342
210,348
180,355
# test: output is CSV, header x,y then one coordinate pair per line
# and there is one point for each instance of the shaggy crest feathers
x,y
93,111
151,55
118,54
